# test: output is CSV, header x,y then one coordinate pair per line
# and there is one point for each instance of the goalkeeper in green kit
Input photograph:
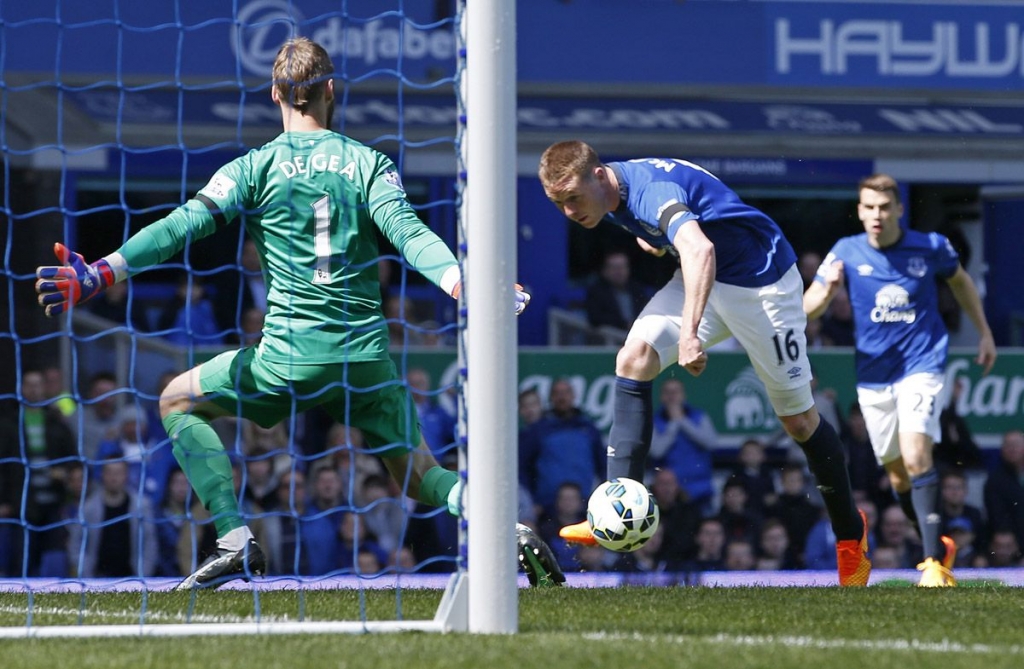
x,y
311,200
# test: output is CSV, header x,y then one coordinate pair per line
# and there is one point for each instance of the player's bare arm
x,y
819,295
697,261
650,249
966,294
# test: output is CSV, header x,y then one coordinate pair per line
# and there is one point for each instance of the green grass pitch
x,y
563,628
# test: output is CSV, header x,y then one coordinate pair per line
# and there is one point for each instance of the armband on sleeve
x,y
672,218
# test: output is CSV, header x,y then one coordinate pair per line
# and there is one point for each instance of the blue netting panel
x,y
114,113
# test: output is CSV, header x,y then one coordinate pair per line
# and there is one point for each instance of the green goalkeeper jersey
x,y
310,201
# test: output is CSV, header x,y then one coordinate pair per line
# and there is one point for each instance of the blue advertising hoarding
x,y
537,113
897,45
223,40
891,45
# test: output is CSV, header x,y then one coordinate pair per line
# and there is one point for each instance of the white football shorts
x,y
912,404
768,322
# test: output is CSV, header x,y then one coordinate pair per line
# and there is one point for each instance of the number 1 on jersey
x,y
322,239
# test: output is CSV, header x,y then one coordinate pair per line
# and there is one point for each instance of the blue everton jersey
x,y
895,303
660,194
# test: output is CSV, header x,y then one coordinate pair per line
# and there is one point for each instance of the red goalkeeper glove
x,y
71,283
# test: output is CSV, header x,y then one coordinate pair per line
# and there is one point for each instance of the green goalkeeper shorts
x,y
367,395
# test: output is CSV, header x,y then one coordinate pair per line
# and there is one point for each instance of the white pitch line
x,y
133,616
915,645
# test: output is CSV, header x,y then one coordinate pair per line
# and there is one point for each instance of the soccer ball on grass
x,y
622,515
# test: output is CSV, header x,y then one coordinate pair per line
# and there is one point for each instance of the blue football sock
x,y
826,461
632,428
906,500
924,491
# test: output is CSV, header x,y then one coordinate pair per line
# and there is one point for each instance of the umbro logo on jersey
x,y
794,372
611,451
865,270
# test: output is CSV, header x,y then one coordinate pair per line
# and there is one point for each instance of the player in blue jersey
x,y
313,201
737,277
901,343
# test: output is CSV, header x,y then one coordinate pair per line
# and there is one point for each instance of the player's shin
x,y
632,428
925,494
202,457
827,462
906,502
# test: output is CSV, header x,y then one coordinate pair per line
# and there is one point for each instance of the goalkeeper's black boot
x,y
537,560
229,565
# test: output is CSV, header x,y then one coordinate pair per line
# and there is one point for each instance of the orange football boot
x,y
852,558
949,559
578,534
934,575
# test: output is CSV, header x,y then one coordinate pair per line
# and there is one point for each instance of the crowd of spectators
x,y
94,491
613,298
757,508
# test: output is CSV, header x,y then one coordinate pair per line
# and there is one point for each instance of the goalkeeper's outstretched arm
x,y
74,281
427,252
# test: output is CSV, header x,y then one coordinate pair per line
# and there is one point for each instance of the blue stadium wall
x,y
820,94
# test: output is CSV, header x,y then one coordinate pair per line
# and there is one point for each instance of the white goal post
x,y
491,341
483,598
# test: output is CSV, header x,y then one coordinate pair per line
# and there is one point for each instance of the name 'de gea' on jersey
x,y
317,162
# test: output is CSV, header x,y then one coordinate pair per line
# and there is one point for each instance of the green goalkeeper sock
x,y
202,457
437,487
